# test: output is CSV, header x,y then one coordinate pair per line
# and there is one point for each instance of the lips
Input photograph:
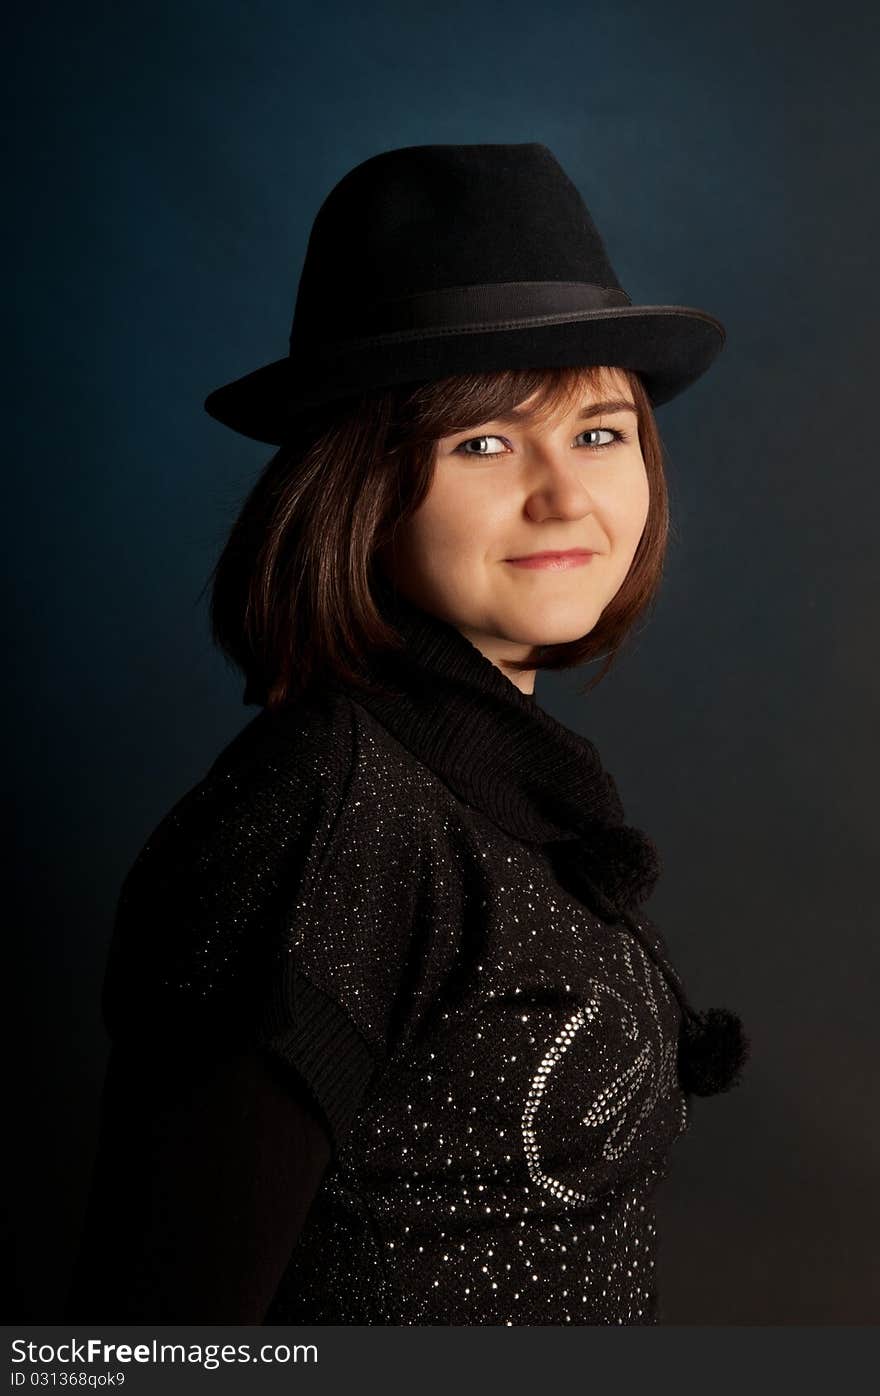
x,y
570,552
552,561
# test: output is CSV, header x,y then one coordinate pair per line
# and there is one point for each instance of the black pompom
x,y
611,866
629,863
712,1050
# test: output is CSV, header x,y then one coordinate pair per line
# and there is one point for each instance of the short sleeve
x,y
200,956
294,900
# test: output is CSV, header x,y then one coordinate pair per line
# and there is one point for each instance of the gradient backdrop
x,y
165,165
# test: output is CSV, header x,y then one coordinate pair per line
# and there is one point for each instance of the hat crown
x,y
425,218
436,260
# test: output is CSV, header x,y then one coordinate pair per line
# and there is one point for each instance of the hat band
x,y
498,305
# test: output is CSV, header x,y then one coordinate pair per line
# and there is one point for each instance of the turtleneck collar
x,y
501,752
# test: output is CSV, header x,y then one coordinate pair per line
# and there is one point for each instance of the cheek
x,y
644,504
426,543
458,514
630,508
431,531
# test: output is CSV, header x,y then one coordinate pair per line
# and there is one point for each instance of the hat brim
x,y
669,346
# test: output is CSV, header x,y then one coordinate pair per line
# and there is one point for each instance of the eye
x,y
472,439
605,431
615,434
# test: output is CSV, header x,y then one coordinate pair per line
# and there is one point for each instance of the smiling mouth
x,y
575,557
553,552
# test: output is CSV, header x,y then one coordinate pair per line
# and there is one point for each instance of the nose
x,y
556,487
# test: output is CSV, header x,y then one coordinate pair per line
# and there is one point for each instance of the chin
x,y
554,625
523,632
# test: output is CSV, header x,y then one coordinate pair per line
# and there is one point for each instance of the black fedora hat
x,y
433,260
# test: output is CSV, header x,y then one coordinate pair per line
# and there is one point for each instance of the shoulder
x,y
309,802
300,775
309,740
317,748
203,907
273,779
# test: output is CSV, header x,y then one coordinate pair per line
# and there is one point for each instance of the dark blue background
x,y
167,161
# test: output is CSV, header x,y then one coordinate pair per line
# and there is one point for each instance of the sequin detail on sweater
x,y
495,1060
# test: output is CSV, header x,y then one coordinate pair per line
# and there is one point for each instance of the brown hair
x,y
291,591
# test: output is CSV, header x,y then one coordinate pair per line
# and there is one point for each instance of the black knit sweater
x,y
422,904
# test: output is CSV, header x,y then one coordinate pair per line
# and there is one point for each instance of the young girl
x,y
393,1041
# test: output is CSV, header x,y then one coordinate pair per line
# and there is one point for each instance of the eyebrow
x,y
594,409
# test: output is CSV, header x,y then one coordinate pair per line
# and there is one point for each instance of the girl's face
x,y
505,490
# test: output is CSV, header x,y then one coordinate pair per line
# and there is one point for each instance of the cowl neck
x,y
502,753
